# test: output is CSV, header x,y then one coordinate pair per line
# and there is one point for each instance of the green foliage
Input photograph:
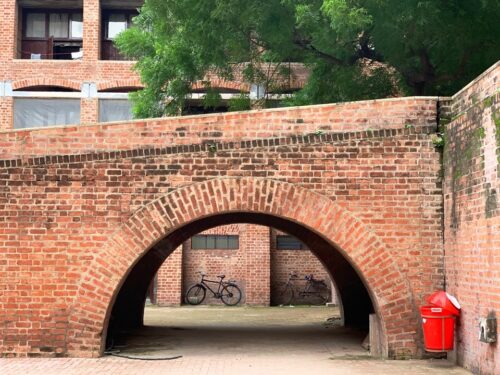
x,y
239,103
438,141
355,49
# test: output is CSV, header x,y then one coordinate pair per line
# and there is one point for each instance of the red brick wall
x,y
368,116
168,282
59,211
231,263
254,246
300,262
472,215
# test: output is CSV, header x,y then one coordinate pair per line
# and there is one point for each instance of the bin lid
x,y
446,301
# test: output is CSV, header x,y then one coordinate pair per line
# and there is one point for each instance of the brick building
x,y
275,252
58,64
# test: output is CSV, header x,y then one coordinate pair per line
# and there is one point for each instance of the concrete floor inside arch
x,y
236,340
259,340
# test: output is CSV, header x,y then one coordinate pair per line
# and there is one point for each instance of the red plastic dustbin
x,y
439,328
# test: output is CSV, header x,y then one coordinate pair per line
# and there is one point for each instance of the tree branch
x,y
309,47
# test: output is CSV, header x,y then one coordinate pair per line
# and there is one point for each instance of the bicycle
x,y
314,290
228,292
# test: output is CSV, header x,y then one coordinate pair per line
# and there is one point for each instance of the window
x,y
76,26
33,113
35,25
52,34
58,25
117,22
214,242
114,22
115,110
286,242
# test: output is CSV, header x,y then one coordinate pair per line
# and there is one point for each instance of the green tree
x,y
354,49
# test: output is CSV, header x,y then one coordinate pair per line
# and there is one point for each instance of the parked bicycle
x,y
314,292
228,292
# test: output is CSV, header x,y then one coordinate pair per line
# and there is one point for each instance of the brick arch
x,y
222,84
102,280
120,83
42,81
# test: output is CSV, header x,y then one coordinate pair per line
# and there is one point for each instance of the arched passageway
x,y
365,274
128,309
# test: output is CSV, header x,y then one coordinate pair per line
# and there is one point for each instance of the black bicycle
x,y
314,292
227,291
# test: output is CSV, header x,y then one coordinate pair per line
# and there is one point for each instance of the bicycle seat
x,y
221,276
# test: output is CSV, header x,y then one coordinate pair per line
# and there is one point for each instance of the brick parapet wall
x,y
472,215
476,91
58,212
369,116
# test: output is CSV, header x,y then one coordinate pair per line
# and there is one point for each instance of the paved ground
x,y
215,340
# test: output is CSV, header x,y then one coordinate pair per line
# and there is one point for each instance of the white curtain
x,y
58,25
33,113
115,110
35,25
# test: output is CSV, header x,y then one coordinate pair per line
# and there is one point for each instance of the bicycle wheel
x,y
231,295
287,295
196,294
320,296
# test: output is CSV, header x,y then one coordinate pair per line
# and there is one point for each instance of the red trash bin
x,y
439,328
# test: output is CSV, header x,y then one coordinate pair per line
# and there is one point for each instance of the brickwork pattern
x,y
365,118
168,283
238,264
234,265
472,215
376,190
300,262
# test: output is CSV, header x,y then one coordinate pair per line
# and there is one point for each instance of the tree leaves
x,y
355,49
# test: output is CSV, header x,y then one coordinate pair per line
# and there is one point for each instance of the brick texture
x,y
73,224
256,244
169,280
301,263
472,215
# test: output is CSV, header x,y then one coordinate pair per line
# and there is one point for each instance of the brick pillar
x,y
8,30
256,244
6,112
89,111
91,30
169,280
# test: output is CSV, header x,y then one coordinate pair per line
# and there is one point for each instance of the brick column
x,y
256,244
169,280
6,113
91,30
89,111
8,30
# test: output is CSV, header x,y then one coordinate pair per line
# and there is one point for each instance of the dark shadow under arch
x,y
128,307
